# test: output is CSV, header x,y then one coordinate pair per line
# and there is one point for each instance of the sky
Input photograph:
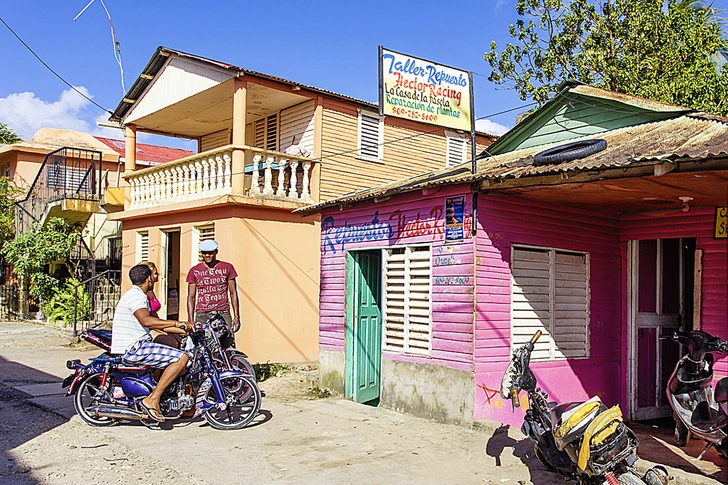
x,y
331,45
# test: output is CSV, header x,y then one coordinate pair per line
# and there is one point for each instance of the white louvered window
x,y
370,137
143,245
550,292
60,177
204,233
407,323
456,149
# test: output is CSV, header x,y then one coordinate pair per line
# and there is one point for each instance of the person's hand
x,y
235,324
184,326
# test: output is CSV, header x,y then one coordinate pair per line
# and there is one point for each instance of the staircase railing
x,y
66,173
105,291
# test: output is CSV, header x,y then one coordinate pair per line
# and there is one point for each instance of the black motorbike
x,y
584,441
699,410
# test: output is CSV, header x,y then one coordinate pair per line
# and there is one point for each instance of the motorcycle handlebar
x,y
535,337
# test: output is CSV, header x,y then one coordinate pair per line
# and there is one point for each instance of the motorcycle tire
x,y
569,152
630,479
681,434
543,460
87,393
243,403
723,449
239,362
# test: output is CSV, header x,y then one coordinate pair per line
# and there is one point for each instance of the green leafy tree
x,y
671,52
7,136
31,252
8,194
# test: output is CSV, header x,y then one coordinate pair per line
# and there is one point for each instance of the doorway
x,y
363,326
661,284
170,288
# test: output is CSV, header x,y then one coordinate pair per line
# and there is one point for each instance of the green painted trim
x,y
349,302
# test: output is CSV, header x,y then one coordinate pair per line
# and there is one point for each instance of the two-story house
x,y
267,146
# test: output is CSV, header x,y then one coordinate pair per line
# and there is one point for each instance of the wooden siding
x,y
409,149
575,117
506,221
411,219
697,223
297,127
215,140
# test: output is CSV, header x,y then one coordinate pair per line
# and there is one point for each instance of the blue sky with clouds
x,y
328,44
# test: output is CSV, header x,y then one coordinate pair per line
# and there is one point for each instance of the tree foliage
x,y
8,194
32,251
664,51
7,136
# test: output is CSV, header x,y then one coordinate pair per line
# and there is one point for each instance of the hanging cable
x,y
50,69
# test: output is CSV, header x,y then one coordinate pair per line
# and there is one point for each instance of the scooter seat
x,y
721,390
571,419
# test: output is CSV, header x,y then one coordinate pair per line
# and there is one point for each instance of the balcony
x,y
230,170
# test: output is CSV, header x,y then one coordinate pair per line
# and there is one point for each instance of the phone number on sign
x,y
414,115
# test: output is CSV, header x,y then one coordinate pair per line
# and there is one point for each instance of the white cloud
x,y
490,127
25,113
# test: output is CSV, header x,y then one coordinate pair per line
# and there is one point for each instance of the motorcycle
x,y
584,441
698,409
106,390
225,358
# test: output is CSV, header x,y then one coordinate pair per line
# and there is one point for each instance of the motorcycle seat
x,y
721,390
571,419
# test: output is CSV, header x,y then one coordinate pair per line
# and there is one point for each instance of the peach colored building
x,y
267,146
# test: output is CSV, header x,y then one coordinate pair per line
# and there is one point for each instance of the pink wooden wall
x,y
404,220
509,220
697,223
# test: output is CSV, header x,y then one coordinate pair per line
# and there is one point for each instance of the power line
x,y
50,69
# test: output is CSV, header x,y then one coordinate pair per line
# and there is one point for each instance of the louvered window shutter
x,y
143,246
271,133
369,137
407,284
260,133
456,147
550,292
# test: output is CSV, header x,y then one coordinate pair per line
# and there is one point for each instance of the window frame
x,y
142,237
199,234
548,337
379,158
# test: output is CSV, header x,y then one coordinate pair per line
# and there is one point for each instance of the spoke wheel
x,y
89,394
242,399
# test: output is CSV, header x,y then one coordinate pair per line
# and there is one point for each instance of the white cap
x,y
208,246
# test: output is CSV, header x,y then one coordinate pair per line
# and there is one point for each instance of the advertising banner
x,y
454,218
420,90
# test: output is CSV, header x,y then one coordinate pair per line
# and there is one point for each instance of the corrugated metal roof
x,y
693,136
153,154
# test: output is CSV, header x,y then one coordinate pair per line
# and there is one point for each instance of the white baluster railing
x,y
211,173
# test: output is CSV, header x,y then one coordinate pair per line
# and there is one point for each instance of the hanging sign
x,y
420,90
454,218
721,223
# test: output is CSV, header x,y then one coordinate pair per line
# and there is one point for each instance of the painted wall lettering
x,y
445,260
407,227
452,280
372,231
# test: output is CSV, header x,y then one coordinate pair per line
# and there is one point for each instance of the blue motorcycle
x,y
107,391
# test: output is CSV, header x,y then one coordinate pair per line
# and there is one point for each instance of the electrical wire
x,y
50,69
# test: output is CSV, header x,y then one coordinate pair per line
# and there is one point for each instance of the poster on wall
x,y
420,90
454,218
721,223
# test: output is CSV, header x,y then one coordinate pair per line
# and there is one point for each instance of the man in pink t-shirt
x,y
211,290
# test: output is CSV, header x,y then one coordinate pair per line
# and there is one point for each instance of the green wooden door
x,y
367,328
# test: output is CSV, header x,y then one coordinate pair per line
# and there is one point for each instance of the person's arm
x,y
234,304
147,320
191,299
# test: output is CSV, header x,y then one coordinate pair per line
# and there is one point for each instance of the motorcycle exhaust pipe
x,y
116,412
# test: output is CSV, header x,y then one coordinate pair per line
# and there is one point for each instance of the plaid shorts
x,y
146,352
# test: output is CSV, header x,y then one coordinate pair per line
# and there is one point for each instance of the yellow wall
x,y
276,256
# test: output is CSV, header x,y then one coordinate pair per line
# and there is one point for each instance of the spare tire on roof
x,y
569,151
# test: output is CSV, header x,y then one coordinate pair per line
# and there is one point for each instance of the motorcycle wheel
x,y
723,449
682,433
242,399
629,479
239,362
87,394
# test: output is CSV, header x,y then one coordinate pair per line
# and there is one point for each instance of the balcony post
x,y
130,148
238,160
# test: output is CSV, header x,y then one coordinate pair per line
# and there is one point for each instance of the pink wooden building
x,y
428,283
